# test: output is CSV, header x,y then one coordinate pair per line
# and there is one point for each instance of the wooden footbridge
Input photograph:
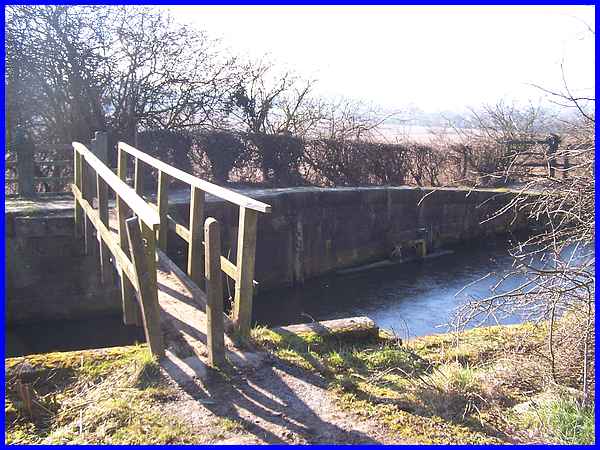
x,y
181,311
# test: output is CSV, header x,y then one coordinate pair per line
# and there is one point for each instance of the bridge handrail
x,y
133,248
213,189
242,271
137,204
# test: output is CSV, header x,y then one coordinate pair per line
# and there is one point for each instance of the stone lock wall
x,y
47,275
310,232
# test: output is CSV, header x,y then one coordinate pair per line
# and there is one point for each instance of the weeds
x,y
449,388
110,396
562,420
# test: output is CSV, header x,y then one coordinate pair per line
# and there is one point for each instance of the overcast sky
x,y
438,58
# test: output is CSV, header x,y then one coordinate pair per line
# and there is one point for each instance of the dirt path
x,y
274,403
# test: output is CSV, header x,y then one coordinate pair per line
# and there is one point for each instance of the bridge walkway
x,y
181,311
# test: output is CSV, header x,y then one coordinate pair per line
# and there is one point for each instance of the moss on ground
x,y
481,386
100,396
447,388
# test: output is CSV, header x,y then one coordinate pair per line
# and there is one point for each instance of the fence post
x,y
553,142
144,261
163,209
86,176
77,169
566,165
138,177
25,164
106,271
214,293
195,264
244,290
131,315
100,146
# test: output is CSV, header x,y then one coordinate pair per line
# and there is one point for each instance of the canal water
x,y
412,299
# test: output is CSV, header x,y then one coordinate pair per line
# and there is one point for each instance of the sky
x,y
435,58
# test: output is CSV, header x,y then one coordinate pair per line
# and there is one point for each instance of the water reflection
x,y
412,299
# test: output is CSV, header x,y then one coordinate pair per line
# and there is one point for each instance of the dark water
x,y
412,299
70,335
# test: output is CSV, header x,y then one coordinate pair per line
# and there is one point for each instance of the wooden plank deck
x,y
182,308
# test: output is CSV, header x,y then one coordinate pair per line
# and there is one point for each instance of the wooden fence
x,y
242,272
31,173
141,228
136,261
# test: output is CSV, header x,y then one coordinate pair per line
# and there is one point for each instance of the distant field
x,y
415,133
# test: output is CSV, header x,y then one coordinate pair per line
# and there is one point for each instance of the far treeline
x,y
174,92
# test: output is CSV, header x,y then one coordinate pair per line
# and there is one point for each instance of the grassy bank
x,y
97,396
482,386
485,385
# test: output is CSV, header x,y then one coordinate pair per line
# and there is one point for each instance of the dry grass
x,y
448,388
111,396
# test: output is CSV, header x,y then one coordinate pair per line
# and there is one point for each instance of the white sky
x,y
435,57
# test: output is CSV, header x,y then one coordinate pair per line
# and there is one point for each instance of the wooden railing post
x,y
214,293
99,146
131,312
138,177
163,209
195,264
144,261
106,271
566,166
244,289
25,164
86,174
77,169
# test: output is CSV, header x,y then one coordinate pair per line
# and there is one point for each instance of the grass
x,y
93,397
481,386
448,388
561,419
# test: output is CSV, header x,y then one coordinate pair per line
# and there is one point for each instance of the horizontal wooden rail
x,y
185,177
226,266
107,236
137,204
242,272
58,162
62,177
179,229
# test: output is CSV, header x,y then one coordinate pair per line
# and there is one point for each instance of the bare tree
x,y
269,101
557,262
75,69
492,136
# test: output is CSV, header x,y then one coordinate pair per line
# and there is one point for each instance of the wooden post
x,y
144,261
138,177
99,146
25,164
163,209
77,168
553,142
214,293
86,174
106,270
566,166
195,265
244,290
131,312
